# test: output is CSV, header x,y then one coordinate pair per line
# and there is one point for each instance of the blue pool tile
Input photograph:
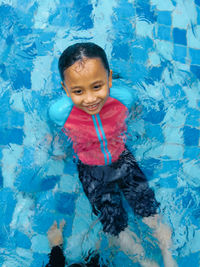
x,y
154,131
196,70
170,165
197,2
176,91
22,240
58,18
193,117
49,182
164,33
1,178
129,33
189,260
191,152
180,53
179,36
39,259
155,73
67,232
4,100
42,221
46,201
139,52
24,31
121,51
120,259
21,79
169,182
84,20
195,56
13,135
31,50
5,119
188,199
70,168
43,244
181,102
191,136
198,15
17,119
30,178
28,156
3,72
1,260
5,232
126,10
145,42
149,166
155,116
164,17
65,203
143,9
7,205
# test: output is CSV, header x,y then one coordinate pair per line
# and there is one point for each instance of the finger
x,y
62,224
54,226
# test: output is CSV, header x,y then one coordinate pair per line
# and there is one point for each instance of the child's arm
x,y
127,97
56,257
58,113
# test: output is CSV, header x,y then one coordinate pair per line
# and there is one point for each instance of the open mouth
x,y
92,107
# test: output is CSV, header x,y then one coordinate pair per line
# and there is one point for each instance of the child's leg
x,y
142,200
105,199
163,233
106,202
130,244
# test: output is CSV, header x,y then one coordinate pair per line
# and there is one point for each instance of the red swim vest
x,y
98,139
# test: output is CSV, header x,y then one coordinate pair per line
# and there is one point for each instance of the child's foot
x,y
168,259
148,263
129,243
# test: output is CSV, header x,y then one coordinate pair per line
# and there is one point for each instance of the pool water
x,y
154,49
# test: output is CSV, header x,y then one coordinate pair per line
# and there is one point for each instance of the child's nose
x,y
90,98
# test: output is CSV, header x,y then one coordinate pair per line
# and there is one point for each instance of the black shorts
x,y
103,186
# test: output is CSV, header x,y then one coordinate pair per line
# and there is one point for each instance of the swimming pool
x,y
154,49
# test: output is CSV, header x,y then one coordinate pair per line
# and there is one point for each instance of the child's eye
x,y
98,86
77,92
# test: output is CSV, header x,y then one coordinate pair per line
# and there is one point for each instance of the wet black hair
x,y
77,52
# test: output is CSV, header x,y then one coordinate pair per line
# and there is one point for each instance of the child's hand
x,y
55,234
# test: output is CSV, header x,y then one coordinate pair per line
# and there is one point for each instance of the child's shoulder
x,y
123,94
60,110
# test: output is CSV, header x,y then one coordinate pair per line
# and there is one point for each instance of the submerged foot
x,y
168,259
131,246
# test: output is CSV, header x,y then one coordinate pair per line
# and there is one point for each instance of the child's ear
x,y
65,88
110,79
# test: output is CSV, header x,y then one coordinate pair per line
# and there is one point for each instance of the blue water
x,y
154,49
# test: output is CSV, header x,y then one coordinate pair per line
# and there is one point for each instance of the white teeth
x,y
93,106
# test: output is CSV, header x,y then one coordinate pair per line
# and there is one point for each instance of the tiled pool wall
x,y
154,48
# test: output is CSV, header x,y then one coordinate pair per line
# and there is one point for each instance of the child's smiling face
x,y
87,82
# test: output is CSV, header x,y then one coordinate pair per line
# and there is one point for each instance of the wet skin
x,y
87,83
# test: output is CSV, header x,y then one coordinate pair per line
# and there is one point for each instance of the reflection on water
x,y
153,51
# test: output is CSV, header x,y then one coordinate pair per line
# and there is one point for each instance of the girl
x,y
93,116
